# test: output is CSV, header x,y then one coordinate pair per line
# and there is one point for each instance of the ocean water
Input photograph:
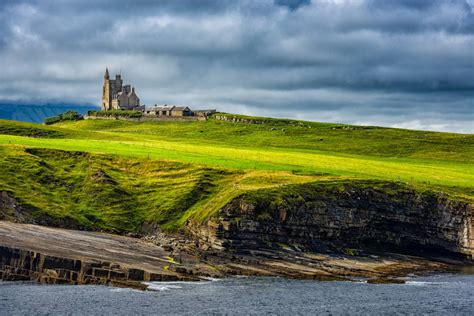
x,y
440,294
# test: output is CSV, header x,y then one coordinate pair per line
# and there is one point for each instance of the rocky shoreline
x,y
24,265
58,256
322,231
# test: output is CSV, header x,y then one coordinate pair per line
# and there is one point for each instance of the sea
x,y
446,294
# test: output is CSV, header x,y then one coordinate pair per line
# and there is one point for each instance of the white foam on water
x,y
116,289
161,286
422,283
210,279
170,285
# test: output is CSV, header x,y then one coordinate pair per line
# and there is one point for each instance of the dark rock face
x,y
24,265
10,208
14,209
333,217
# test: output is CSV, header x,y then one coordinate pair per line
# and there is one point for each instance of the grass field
x,y
126,174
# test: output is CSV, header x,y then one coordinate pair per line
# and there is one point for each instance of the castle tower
x,y
106,93
116,96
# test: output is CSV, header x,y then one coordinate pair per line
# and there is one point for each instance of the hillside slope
x,y
122,176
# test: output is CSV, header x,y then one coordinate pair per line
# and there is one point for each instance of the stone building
x,y
181,111
169,110
116,96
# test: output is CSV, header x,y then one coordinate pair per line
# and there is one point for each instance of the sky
x,y
398,63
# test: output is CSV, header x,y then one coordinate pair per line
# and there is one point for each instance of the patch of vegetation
x,y
66,116
116,113
172,260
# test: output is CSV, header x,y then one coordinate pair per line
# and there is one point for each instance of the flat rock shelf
x,y
60,256
51,255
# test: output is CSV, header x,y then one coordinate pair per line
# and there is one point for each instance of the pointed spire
x,y
106,76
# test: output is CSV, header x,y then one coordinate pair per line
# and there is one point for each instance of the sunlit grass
x,y
406,170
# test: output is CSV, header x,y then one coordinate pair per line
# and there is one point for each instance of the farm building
x,y
169,110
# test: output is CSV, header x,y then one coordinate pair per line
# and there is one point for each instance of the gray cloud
x,y
407,63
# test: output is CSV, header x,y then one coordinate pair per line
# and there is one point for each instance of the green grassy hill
x,y
128,176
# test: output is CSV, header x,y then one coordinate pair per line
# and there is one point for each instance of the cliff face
x,y
334,217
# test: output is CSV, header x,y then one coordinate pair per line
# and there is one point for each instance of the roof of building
x,y
168,108
161,108
180,108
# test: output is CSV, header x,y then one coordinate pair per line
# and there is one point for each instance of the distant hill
x,y
36,113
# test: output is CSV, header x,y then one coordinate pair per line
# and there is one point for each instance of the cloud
x,y
394,63
292,4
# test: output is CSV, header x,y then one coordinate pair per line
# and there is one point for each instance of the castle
x,y
116,96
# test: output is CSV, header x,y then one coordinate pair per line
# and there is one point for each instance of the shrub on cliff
x,y
66,116
116,113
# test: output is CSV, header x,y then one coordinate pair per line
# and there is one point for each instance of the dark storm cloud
x,y
292,4
398,63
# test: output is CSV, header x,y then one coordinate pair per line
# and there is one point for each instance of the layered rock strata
x,y
24,265
53,255
340,217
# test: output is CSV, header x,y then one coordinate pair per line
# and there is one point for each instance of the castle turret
x,y
106,104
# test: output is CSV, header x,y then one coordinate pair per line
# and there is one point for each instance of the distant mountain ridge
x,y
36,113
